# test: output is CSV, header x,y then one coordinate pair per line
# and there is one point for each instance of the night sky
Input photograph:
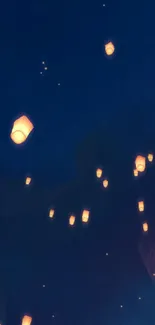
x,y
88,110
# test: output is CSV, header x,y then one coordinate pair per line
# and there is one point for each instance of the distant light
x,y
58,83
139,298
43,285
121,306
43,62
153,274
45,68
103,4
53,316
107,254
41,72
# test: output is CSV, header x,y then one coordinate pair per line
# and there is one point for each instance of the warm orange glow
x,y
26,320
28,180
21,129
99,173
51,213
105,183
85,216
140,163
141,206
145,227
72,220
109,48
150,157
135,172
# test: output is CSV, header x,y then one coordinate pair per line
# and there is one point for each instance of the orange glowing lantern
x,y
51,213
140,163
99,173
135,172
105,183
109,48
141,206
72,220
85,216
150,157
26,320
21,129
28,180
145,227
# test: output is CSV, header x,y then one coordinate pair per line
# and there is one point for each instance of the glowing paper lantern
x,y
72,220
85,216
105,183
28,180
145,227
140,163
51,213
135,172
150,157
99,173
26,320
141,206
109,48
21,129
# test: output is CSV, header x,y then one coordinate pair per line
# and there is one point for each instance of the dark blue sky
x,y
69,36
102,113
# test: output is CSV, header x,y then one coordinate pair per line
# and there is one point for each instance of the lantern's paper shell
x,y
109,48
150,157
141,206
21,129
135,172
140,163
51,213
145,227
99,173
26,320
72,220
105,183
85,216
28,180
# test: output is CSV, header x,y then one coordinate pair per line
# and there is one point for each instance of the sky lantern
x,y
71,220
26,320
28,180
105,183
141,206
140,163
109,48
145,227
85,216
135,172
22,127
150,157
51,213
98,172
